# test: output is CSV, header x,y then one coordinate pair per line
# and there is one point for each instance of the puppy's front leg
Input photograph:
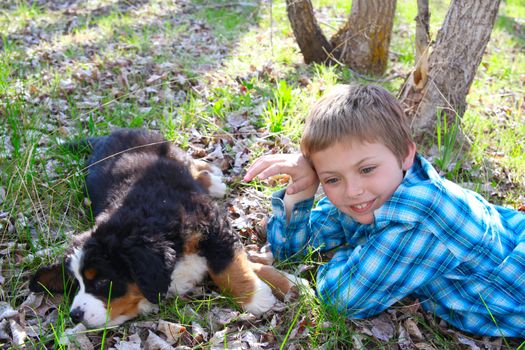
x,y
240,280
280,282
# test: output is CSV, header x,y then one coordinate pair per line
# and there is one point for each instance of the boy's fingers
x,y
272,170
254,170
295,187
299,185
269,165
250,174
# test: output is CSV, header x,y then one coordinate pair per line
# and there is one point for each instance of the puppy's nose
x,y
77,314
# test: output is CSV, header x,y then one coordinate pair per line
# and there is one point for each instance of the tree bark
x,y
422,28
363,42
417,79
309,36
452,65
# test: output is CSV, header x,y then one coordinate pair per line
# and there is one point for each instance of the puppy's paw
x,y
262,299
299,285
210,177
217,188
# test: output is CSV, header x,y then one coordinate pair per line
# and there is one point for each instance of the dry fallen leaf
x,y
171,330
17,332
382,327
413,329
403,340
133,343
76,338
6,311
220,317
198,332
424,346
251,342
218,337
154,342
358,342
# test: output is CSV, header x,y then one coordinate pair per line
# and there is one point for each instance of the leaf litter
x,y
108,66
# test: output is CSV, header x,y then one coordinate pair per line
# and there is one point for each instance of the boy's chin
x,y
365,219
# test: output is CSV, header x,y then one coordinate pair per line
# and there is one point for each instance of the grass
x,y
208,74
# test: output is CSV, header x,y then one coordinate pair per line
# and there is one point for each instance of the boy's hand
x,y
295,165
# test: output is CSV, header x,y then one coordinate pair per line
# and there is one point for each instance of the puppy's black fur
x,y
151,205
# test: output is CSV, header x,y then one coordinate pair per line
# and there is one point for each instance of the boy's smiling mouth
x,y
362,207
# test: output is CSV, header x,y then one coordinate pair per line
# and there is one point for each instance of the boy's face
x,y
359,177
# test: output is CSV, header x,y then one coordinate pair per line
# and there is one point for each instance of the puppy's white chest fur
x,y
190,270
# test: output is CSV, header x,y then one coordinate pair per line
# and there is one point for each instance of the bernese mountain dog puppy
x,y
158,232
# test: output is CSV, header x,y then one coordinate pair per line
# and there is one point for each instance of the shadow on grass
x,y
203,25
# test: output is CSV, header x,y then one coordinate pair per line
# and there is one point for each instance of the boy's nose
x,y
354,190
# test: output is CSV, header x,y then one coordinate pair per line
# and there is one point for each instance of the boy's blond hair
x,y
357,112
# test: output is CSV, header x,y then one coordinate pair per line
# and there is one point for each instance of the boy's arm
x,y
367,279
290,200
304,182
294,224
318,228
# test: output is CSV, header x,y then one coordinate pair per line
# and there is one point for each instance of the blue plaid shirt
x,y
463,257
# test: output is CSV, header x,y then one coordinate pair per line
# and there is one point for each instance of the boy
x,y
400,229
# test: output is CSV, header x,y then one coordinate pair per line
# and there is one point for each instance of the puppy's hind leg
x,y
210,177
240,280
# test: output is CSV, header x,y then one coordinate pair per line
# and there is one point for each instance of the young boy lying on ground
x,y
399,227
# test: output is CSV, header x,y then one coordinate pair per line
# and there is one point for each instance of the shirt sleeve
x,y
367,279
316,228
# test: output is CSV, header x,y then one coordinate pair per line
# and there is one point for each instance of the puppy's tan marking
x,y
191,246
204,178
238,279
200,171
90,273
200,165
127,305
276,280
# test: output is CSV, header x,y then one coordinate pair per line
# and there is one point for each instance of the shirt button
x,y
295,212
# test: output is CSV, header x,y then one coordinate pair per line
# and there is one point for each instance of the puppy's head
x,y
115,284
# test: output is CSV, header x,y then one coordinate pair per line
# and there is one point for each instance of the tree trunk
x,y
309,36
452,65
363,42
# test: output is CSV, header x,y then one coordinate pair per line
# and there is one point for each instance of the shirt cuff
x,y
300,211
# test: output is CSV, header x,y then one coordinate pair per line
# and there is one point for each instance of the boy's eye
x,y
367,170
331,181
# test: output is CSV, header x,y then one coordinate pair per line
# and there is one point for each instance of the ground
x,y
226,82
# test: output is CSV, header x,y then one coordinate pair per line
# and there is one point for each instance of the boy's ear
x,y
54,278
409,159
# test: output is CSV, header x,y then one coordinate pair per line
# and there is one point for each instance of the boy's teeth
x,y
362,206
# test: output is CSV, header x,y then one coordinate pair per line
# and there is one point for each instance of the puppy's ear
x,y
54,278
151,270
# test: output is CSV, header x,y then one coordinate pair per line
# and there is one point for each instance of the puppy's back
x,y
119,157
